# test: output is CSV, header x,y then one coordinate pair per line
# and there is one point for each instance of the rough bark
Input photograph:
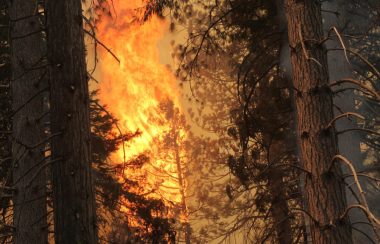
x,y
73,197
323,191
29,176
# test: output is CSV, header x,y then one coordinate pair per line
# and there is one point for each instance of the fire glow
x,y
134,88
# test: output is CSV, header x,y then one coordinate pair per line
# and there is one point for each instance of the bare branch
x,y
359,129
341,42
101,44
304,49
363,201
358,83
343,116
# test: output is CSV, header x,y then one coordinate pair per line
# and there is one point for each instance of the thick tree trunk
x,y
29,175
74,208
323,192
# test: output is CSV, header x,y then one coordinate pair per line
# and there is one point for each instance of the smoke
x,y
336,14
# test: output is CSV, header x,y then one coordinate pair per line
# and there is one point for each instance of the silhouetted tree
x,y
28,141
73,194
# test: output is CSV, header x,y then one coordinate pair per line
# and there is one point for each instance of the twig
x,y
361,57
358,83
359,129
103,45
29,183
28,101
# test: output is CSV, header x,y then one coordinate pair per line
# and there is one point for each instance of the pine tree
x,y
28,86
323,191
73,194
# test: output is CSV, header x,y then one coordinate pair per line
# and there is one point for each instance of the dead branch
x,y
28,184
341,42
28,101
304,48
95,44
30,147
361,57
375,223
101,44
363,201
363,233
359,129
345,115
358,83
29,170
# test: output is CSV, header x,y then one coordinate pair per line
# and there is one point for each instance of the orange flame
x,y
134,88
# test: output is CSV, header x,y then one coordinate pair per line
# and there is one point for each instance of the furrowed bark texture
x,y
323,191
29,177
74,211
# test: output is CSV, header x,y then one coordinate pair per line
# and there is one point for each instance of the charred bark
x,y
74,208
323,190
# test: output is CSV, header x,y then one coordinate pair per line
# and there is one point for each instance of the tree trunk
x,y
181,183
323,191
280,209
29,175
277,149
73,196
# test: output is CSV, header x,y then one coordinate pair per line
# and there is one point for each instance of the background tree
x,y
140,218
27,86
5,126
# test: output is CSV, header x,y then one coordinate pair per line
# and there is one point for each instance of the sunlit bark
x,y
323,192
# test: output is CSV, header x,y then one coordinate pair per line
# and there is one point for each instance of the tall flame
x,y
134,88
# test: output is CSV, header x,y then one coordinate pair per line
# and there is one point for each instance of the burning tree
x,y
173,153
218,35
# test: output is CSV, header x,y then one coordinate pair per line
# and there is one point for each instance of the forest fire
x,y
268,133
134,90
